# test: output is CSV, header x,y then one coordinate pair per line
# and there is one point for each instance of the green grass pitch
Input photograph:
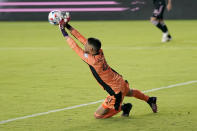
x,y
39,73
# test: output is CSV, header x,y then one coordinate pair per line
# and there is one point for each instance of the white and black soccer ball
x,y
55,17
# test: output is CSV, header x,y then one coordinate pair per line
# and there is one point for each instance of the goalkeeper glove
x,y
62,28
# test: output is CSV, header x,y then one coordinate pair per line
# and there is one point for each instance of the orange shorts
x,y
110,100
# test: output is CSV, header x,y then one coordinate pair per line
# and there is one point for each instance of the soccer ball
x,y
55,17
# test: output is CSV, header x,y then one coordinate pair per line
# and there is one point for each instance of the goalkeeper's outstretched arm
x,y
76,34
80,52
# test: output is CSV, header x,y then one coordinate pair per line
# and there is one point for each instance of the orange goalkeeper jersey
x,y
109,79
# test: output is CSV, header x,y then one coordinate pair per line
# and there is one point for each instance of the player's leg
x,y
137,94
156,22
157,15
152,101
103,112
107,110
166,34
165,29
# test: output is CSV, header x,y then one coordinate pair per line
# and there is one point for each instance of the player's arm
x,y
169,6
76,34
80,52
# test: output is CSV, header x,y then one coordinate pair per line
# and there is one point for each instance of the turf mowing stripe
x,y
91,103
106,47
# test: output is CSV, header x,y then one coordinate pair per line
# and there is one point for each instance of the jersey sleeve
x,y
80,52
78,36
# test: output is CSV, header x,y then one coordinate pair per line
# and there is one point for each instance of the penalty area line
x,y
91,103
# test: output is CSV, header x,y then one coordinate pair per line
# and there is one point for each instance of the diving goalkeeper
x,y
109,79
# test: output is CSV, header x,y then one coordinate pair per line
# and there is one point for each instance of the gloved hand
x,y
62,28
65,16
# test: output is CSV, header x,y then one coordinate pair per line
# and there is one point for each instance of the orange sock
x,y
111,113
139,95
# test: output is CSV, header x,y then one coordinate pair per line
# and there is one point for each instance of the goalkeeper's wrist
x,y
64,33
68,26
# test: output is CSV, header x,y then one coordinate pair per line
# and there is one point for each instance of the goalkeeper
x,y
109,79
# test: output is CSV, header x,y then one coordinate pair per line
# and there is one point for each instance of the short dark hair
x,y
95,43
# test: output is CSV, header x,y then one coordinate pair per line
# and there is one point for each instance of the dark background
x,y
182,9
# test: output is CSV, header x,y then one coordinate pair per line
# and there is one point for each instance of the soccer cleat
x,y
152,101
126,108
166,37
169,37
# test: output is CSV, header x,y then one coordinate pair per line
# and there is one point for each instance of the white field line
x,y
91,103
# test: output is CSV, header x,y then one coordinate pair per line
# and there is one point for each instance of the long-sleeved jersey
x,y
109,79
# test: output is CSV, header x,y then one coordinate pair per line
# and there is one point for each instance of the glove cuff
x,y
69,27
64,33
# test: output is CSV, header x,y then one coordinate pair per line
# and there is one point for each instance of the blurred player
x,y
157,17
109,79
